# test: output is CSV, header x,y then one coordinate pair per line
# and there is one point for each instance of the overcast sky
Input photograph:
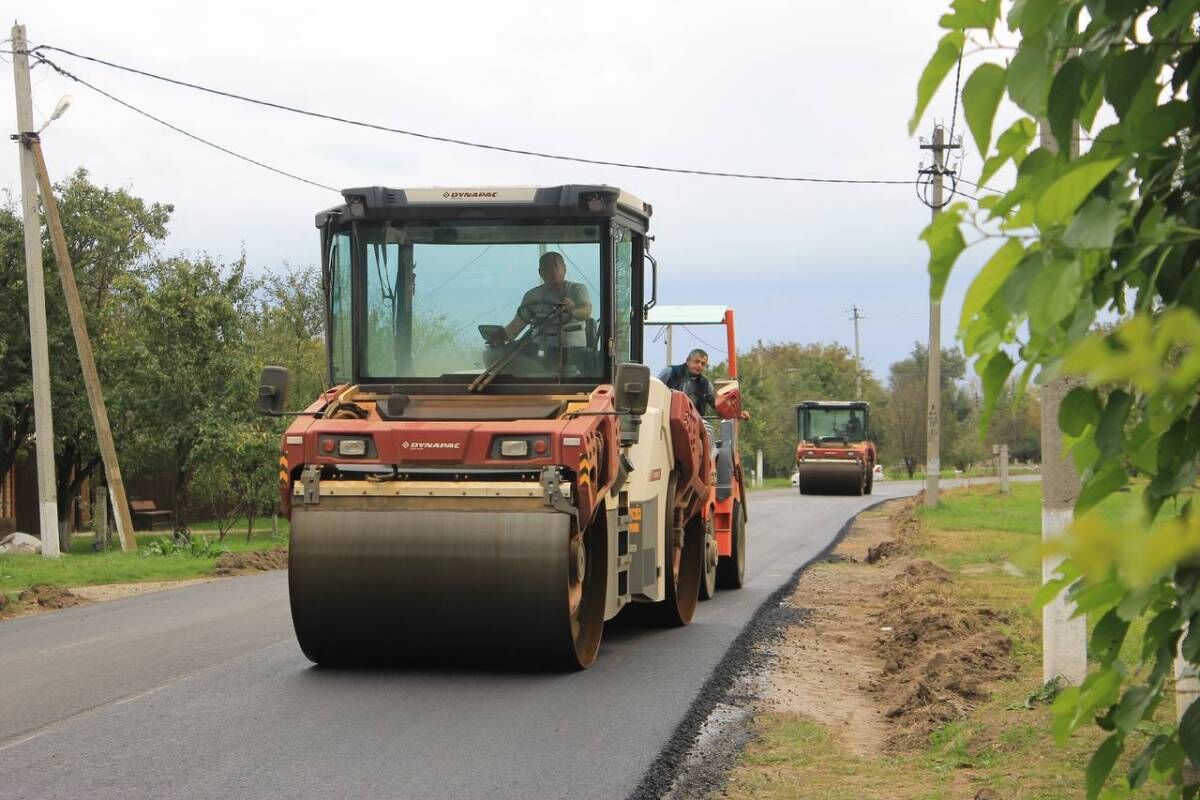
x,y
805,88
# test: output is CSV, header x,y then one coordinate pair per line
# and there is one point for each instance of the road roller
x,y
835,454
494,474
725,511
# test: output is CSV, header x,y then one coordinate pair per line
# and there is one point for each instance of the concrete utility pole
x,y
857,312
87,361
667,337
1064,638
1001,453
39,349
933,420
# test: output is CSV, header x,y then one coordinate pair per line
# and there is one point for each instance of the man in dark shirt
x,y
688,378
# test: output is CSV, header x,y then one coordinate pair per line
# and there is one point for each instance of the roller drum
x,y
831,477
443,585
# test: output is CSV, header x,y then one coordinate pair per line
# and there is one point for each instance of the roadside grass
x,y
992,544
897,472
771,483
84,567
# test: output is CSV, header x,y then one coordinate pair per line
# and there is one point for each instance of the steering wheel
x,y
529,313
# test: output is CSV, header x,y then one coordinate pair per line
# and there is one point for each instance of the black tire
x,y
683,585
731,571
708,581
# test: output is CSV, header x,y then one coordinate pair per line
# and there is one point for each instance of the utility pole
x,y
87,360
667,337
39,349
933,420
858,370
1001,453
1064,636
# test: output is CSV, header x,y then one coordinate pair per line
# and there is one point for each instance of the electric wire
x,y
954,112
455,140
71,76
925,176
444,283
701,341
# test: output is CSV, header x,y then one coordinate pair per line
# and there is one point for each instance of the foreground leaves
x,y
1111,233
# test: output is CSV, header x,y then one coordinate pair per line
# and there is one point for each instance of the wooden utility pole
x,y
83,343
1064,636
857,312
39,349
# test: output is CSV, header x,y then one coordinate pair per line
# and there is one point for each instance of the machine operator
x,y
688,378
555,290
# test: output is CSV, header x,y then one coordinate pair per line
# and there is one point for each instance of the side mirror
x,y
272,391
632,387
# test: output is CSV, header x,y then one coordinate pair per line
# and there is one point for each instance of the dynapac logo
x,y
466,195
431,445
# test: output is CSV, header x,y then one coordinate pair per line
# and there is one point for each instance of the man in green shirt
x,y
555,290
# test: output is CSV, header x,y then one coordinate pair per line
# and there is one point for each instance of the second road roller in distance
x,y
835,454
494,474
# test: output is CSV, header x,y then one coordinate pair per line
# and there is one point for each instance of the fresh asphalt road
x,y
202,692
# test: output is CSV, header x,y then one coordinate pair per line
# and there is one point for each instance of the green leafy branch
x,y
1095,275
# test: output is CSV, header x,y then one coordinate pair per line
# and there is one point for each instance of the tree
x,y
289,329
16,392
186,336
1113,229
1017,422
907,407
110,234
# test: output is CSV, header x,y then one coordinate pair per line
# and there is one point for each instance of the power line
x,y
444,283
954,113
454,140
176,128
701,341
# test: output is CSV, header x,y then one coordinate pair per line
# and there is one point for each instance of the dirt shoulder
x,y
902,678
885,657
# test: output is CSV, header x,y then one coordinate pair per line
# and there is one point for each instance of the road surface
x,y
202,692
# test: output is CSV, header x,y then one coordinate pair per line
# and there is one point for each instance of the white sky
x,y
822,89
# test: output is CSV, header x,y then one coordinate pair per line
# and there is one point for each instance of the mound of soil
x,y
249,562
937,658
45,595
885,549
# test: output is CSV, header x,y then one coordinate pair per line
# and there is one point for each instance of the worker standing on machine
x,y
689,378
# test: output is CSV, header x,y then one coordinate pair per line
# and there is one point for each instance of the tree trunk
x,y
249,525
181,504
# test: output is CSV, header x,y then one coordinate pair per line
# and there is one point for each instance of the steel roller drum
x,y
442,585
829,477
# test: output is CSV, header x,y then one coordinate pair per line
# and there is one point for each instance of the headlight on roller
x,y
530,446
514,448
352,447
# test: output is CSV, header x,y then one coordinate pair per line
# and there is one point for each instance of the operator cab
x,y
521,290
822,422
